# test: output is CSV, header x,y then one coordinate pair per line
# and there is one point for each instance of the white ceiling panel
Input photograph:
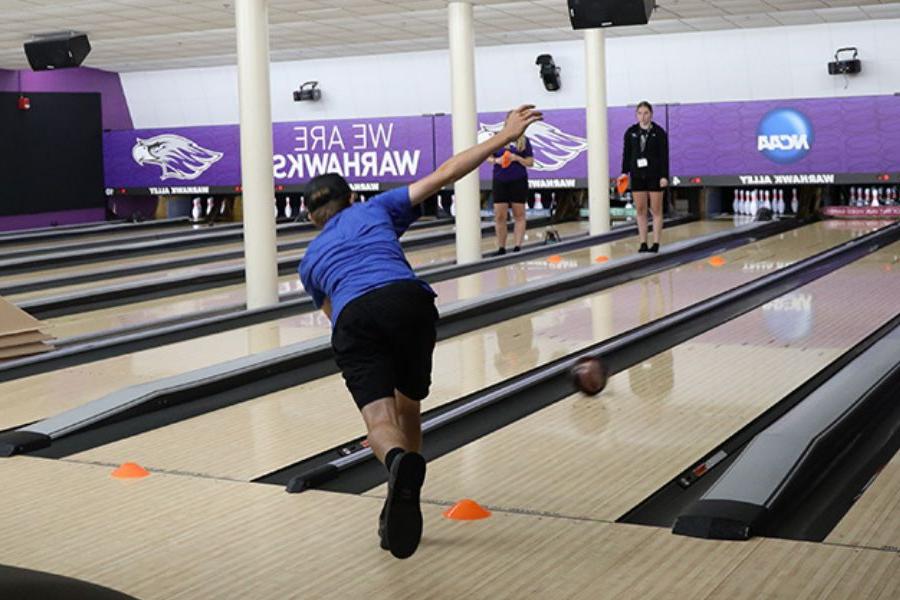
x,y
130,35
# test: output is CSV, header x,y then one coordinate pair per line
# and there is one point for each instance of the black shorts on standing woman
x,y
646,157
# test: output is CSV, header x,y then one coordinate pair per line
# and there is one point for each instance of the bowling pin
x,y
303,214
197,210
288,209
754,205
781,207
453,205
538,202
734,201
275,204
362,198
210,204
795,203
222,207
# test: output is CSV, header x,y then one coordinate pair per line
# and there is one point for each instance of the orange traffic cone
x,y
467,510
130,470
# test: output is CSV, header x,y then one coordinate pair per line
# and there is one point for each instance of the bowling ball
x,y
764,214
589,375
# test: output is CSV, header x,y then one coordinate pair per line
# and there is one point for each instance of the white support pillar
x,y
465,128
597,130
251,18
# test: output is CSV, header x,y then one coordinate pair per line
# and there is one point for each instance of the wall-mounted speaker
x,y
590,14
57,51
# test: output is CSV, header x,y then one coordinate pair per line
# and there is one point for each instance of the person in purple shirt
x,y
384,318
510,187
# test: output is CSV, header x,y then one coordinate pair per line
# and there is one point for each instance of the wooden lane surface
x,y
64,243
159,257
31,398
874,521
599,457
162,258
161,308
280,428
172,537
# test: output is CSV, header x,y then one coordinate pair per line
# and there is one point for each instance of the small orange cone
x,y
601,259
556,258
130,470
467,510
717,261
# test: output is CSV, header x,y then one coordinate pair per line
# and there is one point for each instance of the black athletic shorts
x,y
645,182
383,341
511,192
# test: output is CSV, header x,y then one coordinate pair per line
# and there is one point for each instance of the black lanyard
x,y
645,135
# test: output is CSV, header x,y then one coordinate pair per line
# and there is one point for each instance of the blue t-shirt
x,y
359,250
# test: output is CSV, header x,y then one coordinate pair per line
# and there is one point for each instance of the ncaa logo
x,y
784,136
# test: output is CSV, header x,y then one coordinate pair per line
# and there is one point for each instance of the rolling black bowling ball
x,y
764,214
589,375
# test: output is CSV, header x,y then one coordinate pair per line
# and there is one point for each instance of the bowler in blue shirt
x,y
383,317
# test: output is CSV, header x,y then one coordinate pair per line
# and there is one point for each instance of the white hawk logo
x,y
177,156
553,147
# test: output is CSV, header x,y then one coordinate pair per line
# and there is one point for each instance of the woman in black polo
x,y
646,159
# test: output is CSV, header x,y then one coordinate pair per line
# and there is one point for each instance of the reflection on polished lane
x,y
288,425
601,456
148,311
162,259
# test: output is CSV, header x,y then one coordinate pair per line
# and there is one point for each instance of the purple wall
x,y
9,81
52,219
115,108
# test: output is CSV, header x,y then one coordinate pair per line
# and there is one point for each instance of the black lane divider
x,y
184,396
169,264
68,231
662,507
137,237
124,249
352,468
110,343
800,472
126,293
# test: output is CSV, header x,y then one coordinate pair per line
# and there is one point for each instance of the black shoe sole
x,y
403,517
382,539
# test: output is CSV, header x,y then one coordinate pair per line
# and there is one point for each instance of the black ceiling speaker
x,y
590,14
57,51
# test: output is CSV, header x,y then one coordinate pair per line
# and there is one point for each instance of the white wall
x,y
741,64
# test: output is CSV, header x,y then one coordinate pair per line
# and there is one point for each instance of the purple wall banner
x,y
559,143
789,137
391,150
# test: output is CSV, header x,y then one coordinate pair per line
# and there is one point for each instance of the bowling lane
x,y
43,395
123,235
874,521
596,458
281,428
159,258
163,259
154,310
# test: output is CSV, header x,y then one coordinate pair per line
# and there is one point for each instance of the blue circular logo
x,y
785,136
